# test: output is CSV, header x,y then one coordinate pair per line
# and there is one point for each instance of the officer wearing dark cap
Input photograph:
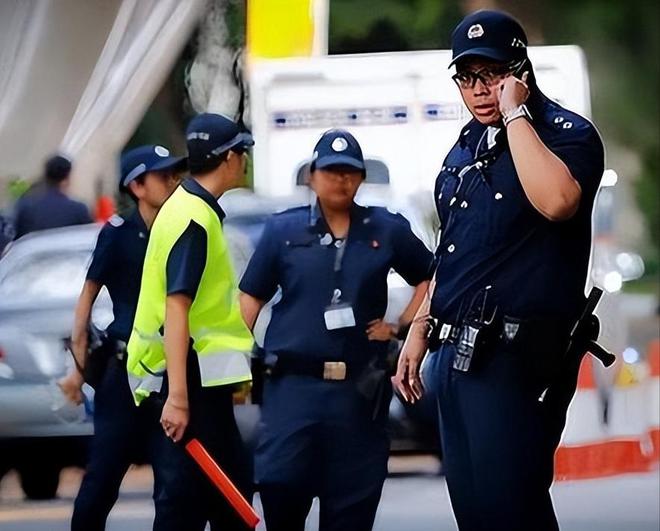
x,y
515,196
327,391
48,206
189,346
122,432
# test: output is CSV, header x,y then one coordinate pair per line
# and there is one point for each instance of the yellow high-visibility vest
x,y
220,337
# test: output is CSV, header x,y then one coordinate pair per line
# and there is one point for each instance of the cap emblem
x,y
475,31
339,144
161,151
517,43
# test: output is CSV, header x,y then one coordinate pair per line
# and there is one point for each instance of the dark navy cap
x,y
491,34
143,159
338,147
210,135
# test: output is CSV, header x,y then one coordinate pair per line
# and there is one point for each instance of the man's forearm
x,y
547,182
177,338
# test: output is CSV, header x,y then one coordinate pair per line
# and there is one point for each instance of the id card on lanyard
x,y
338,314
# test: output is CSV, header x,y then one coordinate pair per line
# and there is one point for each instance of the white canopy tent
x,y
78,77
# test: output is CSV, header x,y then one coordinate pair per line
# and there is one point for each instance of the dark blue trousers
x,y
185,499
498,443
122,435
318,439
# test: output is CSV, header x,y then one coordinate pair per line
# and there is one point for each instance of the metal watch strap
x,y
517,112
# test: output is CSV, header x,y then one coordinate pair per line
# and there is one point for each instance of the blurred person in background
x,y
123,433
323,430
515,196
48,206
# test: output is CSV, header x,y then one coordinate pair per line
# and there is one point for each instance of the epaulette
x,y
116,220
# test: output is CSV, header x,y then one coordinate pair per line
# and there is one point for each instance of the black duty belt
x,y
324,370
509,329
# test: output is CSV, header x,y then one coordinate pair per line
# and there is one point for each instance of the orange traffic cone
x,y
653,393
105,208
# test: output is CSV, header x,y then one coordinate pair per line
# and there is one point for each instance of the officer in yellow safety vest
x,y
189,344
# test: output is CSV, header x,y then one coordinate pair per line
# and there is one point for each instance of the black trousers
x,y
185,499
498,439
123,434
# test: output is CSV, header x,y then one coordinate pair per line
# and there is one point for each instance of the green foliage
x,y
622,45
389,25
17,187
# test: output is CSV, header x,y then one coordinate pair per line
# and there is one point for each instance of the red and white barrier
x,y
593,448
653,399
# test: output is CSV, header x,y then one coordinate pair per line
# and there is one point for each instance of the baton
x,y
213,471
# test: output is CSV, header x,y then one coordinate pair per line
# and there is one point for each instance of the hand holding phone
x,y
513,92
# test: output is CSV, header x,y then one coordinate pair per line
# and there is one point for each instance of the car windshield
x,y
47,275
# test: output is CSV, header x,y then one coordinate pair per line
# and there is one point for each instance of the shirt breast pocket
x,y
303,257
371,256
508,208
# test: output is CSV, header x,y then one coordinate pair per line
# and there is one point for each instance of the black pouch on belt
x,y
99,350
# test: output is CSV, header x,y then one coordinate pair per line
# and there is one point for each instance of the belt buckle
x,y
334,370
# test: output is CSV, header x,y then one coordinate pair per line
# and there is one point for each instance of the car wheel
x,y
39,481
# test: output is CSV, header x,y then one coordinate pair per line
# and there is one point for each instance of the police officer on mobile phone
x,y
515,196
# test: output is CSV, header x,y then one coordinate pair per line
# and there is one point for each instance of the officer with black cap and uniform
x,y
189,347
327,390
122,432
515,197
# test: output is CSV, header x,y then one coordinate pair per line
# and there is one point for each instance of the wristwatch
x,y
517,112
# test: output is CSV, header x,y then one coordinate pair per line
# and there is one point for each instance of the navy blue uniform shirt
x,y
187,258
297,253
48,208
492,235
117,264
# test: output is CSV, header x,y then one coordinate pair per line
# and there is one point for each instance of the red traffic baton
x,y
213,471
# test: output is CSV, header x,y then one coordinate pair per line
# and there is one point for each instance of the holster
x,y
373,383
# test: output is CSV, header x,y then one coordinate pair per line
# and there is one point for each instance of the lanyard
x,y
340,250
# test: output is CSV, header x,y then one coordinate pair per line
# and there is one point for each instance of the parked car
x,y
41,276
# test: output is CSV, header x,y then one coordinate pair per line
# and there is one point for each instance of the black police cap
x,y
209,136
491,34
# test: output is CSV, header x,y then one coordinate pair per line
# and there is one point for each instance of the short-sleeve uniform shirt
x,y
491,234
117,264
298,254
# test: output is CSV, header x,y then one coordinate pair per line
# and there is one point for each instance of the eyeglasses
x,y
489,76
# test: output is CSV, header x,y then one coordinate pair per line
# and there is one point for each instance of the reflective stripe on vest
x,y
223,368
143,387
